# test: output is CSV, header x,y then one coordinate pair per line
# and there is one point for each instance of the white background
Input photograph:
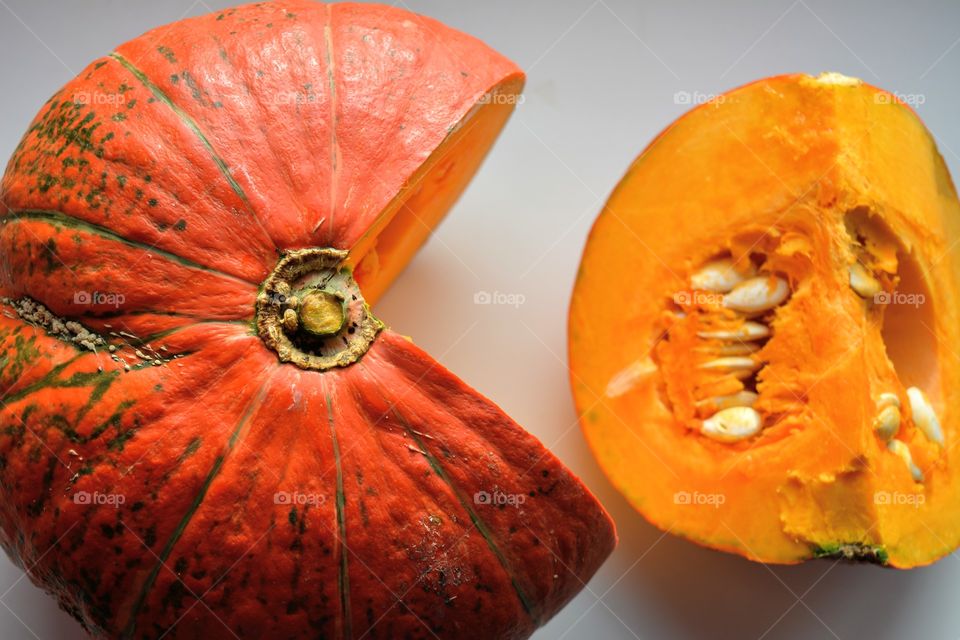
x,y
603,76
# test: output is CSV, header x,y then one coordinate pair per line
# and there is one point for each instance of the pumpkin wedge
x,y
764,325
206,431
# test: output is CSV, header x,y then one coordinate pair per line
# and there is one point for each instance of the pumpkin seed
x,y
732,424
887,399
749,330
924,416
720,276
901,450
739,399
733,363
863,282
757,294
730,349
627,378
887,422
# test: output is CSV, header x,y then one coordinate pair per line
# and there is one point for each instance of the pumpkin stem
x,y
321,313
311,313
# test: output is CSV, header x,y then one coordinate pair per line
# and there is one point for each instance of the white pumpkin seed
x,y
739,399
887,422
722,275
628,377
887,399
757,294
924,416
730,349
749,330
863,282
732,424
733,363
902,451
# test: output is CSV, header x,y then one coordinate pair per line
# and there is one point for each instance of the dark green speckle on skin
x,y
180,225
167,53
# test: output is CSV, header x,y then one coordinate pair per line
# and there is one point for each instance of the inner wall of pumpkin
x,y
729,338
420,207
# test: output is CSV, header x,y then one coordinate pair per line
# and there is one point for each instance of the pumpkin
x,y
762,332
206,431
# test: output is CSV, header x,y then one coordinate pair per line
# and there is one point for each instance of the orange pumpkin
x,y
206,432
762,335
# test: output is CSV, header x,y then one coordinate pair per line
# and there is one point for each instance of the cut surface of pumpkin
x,y
206,431
763,325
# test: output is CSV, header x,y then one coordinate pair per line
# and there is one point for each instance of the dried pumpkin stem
x,y
311,312
322,313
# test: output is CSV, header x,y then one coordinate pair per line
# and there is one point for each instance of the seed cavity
x,y
924,416
721,275
757,294
733,324
902,451
732,424
863,282
887,422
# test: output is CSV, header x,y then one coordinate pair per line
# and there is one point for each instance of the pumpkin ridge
x,y
159,335
343,576
204,140
482,528
335,168
167,550
59,218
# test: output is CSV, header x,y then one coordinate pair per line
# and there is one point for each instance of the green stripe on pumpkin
x,y
193,126
344,576
478,522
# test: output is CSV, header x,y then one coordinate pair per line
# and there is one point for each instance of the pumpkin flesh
x,y
800,177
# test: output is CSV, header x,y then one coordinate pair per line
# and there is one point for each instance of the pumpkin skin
x,y
166,471
804,179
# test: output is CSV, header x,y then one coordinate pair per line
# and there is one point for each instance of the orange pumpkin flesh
x,y
801,179
205,428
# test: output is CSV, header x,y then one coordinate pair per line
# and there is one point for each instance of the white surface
x,y
602,82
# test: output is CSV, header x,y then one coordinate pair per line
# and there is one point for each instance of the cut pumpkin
x,y
206,433
762,333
